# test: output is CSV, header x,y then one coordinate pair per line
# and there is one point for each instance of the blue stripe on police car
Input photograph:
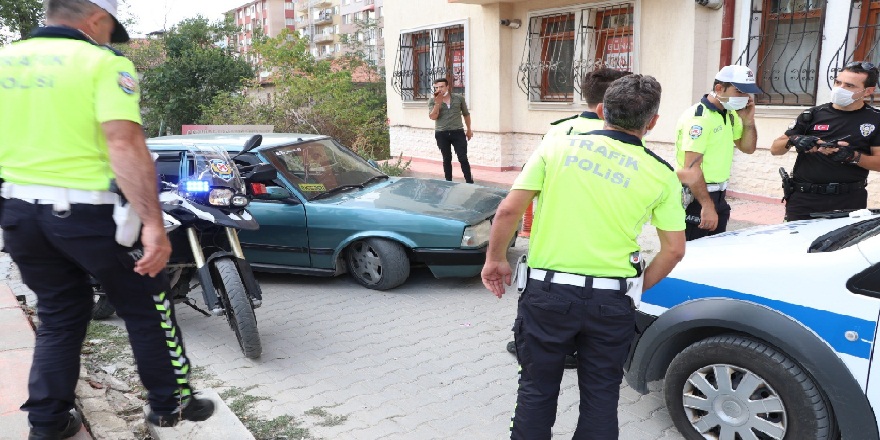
x,y
828,325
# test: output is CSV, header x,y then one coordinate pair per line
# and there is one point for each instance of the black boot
x,y
196,410
74,423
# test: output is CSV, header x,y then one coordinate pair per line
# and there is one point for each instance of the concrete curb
x,y
99,406
222,425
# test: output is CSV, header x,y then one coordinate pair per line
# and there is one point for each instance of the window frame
x,y
554,37
586,44
399,83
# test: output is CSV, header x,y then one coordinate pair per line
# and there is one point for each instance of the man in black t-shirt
x,y
826,178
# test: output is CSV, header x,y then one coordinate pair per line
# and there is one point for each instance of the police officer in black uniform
x,y
70,144
837,144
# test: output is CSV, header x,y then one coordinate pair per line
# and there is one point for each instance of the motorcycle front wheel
x,y
237,306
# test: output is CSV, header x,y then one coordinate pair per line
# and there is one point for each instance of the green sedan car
x,y
329,212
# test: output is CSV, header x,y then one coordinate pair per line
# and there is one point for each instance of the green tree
x,y
20,17
310,96
196,68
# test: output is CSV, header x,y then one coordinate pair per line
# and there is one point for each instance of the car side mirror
x,y
866,282
373,163
274,193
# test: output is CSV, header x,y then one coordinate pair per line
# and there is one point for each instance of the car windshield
x,y
323,166
846,236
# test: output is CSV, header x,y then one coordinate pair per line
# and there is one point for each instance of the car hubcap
x,y
723,401
367,263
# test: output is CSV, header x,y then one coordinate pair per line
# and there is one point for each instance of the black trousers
x,y
800,205
55,255
554,320
722,208
446,141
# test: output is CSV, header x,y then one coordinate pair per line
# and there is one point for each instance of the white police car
x,y
768,333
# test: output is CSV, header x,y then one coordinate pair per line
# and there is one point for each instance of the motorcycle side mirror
x,y
254,142
262,172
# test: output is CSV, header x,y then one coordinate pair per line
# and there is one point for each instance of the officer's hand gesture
x,y
747,113
708,218
495,275
804,143
157,250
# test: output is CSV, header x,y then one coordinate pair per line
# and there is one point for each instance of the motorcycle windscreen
x,y
211,167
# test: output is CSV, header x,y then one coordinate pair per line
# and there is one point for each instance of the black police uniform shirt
x,y
860,128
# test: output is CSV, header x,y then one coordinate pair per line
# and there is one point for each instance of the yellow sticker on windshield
x,y
312,187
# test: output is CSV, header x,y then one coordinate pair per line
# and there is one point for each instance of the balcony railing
x,y
323,38
324,18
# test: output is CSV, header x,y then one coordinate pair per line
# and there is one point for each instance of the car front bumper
x,y
451,262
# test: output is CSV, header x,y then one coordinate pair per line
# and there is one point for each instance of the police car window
x,y
846,236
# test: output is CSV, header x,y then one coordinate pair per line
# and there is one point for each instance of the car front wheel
x,y
377,263
731,387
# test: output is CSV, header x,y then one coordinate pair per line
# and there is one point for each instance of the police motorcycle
x,y
203,212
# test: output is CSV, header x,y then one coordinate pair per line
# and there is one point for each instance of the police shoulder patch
x,y
696,131
866,129
127,83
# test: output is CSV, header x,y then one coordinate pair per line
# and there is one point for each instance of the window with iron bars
x,y
564,46
787,37
426,56
862,40
783,49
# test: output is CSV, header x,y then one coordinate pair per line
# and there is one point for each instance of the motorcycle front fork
x,y
254,291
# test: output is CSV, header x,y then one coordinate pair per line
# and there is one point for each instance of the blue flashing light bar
x,y
197,186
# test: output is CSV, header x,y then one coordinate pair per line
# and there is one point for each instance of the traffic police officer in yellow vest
x,y
585,276
70,133
706,136
593,89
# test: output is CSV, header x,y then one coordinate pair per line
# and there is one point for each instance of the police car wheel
x,y
377,263
728,387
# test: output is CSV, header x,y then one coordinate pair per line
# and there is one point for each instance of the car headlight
x,y
477,235
220,197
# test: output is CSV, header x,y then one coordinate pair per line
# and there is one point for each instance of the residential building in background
x,y
266,17
322,21
520,63
325,21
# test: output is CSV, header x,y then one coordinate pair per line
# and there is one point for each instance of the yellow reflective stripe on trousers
x,y
175,349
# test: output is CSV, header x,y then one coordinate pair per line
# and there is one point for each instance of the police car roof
x,y
228,141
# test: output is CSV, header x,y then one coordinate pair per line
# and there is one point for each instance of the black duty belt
x,y
828,188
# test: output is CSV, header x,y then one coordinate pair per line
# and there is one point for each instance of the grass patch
x,y
105,343
280,428
328,419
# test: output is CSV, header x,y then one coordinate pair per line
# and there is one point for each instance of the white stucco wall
x,y
678,43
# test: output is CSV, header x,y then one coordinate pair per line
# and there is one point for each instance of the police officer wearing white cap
x,y
706,136
71,143
837,144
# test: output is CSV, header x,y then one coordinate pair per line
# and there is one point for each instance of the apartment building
x,y
266,16
325,21
322,21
